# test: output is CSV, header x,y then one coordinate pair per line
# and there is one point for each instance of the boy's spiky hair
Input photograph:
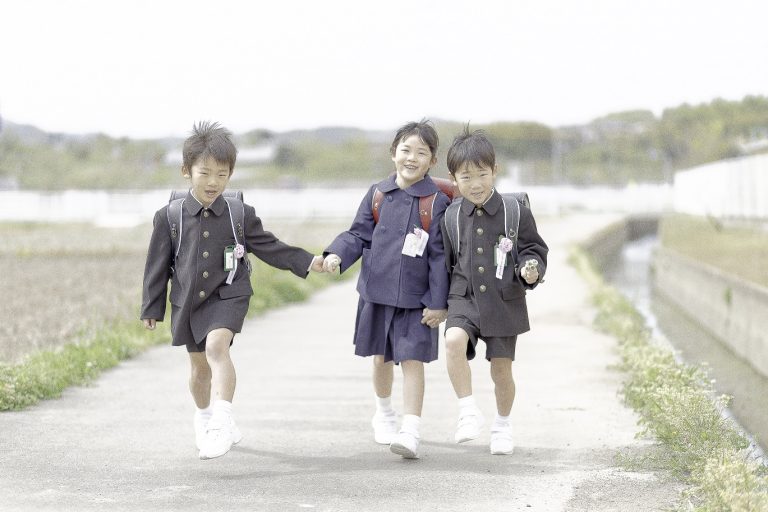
x,y
470,147
209,140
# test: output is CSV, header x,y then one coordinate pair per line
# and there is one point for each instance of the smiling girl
x,y
403,282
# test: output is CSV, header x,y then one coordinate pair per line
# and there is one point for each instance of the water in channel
x,y
630,273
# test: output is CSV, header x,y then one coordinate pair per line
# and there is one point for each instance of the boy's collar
x,y
193,204
491,205
422,188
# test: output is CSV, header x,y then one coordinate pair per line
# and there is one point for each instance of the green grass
x,y
47,373
272,288
742,251
677,406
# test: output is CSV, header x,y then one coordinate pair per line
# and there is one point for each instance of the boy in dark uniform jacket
x,y
488,284
210,295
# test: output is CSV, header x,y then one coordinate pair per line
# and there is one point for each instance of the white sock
x,y
467,405
204,413
501,421
384,405
222,410
411,424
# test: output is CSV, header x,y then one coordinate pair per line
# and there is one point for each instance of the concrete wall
x,y
606,245
129,208
729,189
734,310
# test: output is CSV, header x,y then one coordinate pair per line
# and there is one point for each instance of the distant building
x,y
245,156
9,183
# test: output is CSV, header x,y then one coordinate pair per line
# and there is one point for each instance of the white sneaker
x,y
201,423
470,422
406,445
384,427
501,440
237,436
219,438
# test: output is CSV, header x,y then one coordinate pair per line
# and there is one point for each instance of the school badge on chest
x,y
503,248
232,253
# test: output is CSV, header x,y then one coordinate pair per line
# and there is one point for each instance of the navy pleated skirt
x,y
395,333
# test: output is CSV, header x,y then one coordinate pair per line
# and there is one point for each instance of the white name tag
x,y
415,243
501,260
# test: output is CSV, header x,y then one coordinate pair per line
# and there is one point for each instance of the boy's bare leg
x,y
459,372
222,370
221,431
383,374
200,379
501,373
470,417
413,386
502,442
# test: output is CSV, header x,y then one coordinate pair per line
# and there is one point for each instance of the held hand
x,y
433,317
317,264
149,323
331,263
530,271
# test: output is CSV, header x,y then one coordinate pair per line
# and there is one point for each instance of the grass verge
x,y
738,250
678,407
46,374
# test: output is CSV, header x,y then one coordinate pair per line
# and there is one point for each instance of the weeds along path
x,y
304,403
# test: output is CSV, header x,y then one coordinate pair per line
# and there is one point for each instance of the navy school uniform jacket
x,y
200,277
387,276
501,302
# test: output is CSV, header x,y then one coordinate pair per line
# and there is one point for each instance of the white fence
x,y
728,189
130,208
125,209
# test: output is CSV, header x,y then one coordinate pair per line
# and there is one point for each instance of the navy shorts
x,y
494,346
200,347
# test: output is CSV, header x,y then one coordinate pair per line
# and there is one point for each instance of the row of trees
x,y
615,149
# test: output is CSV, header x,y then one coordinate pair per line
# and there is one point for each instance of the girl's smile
x,y
412,159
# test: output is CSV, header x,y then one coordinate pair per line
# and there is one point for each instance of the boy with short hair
x,y
210,292
488,284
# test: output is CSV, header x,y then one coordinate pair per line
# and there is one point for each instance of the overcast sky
x,y
152,68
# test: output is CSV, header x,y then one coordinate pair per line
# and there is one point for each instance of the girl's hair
x,y
209,140
423,129
470,147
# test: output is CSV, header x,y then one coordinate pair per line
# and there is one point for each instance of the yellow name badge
x,y
229,258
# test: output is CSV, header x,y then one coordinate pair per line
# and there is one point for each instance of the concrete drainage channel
x,y
628,256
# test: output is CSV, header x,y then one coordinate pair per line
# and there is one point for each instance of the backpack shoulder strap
x,y
236,208
378,197
511,215
175,223
426,206
512,218
522,198
452,226
233,193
